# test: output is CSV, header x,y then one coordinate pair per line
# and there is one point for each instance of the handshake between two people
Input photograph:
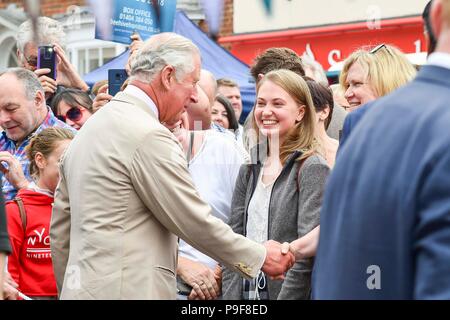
x,y
281,257
278,261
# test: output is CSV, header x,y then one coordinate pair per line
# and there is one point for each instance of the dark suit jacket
x,y
385,221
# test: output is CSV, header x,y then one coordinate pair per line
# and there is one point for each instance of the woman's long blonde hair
x,y
302,136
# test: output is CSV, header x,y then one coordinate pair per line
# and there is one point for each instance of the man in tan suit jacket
x,y
125,193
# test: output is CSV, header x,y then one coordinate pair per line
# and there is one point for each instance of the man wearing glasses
x,y
50,32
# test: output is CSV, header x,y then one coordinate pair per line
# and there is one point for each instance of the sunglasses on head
x,y
73,114
378,48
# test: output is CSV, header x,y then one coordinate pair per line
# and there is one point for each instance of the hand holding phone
x,y
47,59
116,78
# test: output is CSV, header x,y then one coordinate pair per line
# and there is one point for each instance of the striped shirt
x,y
19,153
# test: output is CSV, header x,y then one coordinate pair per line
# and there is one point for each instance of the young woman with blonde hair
x,y
279,195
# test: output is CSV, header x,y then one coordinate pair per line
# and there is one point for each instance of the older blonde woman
x,y
368,75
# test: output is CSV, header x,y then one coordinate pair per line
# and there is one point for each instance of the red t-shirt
x,y
30,263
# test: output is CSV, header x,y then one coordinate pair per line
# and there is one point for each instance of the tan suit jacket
x,y
124,196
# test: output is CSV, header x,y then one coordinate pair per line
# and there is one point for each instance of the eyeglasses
x,y
73,114
32,61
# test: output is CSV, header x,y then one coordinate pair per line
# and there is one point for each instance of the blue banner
x,y
146,17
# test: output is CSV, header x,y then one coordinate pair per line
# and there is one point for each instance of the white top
x,y
439,59
141,95
214,170
240,136
258,211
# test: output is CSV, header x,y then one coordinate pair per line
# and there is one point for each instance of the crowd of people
x,y
166,190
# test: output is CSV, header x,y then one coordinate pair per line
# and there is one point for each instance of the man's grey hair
x,y
162,50
29,80
316,69
50,31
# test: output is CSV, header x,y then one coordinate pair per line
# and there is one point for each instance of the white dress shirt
x,y
141,95
439,59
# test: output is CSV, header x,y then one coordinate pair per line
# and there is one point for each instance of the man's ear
x,y
260,76
436,18
167,76
39,100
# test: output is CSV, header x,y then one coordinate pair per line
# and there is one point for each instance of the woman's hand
x,y
306,246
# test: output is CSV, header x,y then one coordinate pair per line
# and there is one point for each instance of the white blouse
x,y
258,211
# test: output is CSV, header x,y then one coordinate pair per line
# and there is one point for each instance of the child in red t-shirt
x,y
30,263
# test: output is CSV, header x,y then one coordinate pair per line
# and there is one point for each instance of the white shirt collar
x,y
439,59
141,95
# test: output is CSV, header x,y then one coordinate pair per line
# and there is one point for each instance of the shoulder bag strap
x,y
23,213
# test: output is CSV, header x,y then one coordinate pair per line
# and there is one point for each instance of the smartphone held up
x,y
47,59
116,78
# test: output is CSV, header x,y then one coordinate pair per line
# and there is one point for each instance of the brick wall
x,y
49,7
227,23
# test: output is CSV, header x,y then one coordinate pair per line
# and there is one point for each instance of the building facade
x,y
85,52
326,30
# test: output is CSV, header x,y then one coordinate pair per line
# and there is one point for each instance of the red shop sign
x,y
331,44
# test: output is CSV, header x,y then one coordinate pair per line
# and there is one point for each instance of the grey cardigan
x,y
294,210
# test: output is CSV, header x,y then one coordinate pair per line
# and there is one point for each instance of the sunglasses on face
x,y
73,114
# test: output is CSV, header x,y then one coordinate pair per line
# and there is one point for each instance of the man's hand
x,y
14,174
276,263
218,276
47,83
66,74
200,277
101,98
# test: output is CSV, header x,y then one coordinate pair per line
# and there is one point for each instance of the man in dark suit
x,y
385,221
